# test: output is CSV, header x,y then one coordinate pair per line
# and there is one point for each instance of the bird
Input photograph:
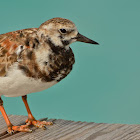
x,y
34,59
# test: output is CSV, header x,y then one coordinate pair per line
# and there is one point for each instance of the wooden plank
x,y
70,130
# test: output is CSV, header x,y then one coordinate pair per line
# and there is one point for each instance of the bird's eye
x,y
63,31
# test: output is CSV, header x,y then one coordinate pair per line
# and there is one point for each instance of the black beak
x,y
82,38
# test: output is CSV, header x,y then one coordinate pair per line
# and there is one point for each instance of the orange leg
x,y
31,120
11,128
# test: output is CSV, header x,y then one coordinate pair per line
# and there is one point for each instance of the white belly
x,y
17,84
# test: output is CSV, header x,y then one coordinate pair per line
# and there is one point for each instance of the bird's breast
x,y
47,65
61,64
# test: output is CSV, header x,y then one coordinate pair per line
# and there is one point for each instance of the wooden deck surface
x,y
70,130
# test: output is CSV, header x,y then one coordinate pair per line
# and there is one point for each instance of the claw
x,y
47,123
10,131
23,128
44,127
39,124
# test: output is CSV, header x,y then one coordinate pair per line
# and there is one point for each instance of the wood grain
x,y
70,130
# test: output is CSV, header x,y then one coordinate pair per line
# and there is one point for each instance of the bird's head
x,y
61,32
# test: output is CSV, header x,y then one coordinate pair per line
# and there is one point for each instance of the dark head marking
x,y
65,42
54,48
61,37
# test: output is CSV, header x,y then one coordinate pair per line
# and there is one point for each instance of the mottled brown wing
x,y
9,43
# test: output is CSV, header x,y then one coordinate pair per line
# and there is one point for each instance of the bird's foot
x,y
23,128
38,124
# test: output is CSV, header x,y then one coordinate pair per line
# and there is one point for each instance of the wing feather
x,y
9,44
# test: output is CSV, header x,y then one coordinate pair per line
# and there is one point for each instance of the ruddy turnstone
x,y
32,60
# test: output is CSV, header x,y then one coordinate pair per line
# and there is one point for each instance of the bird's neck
x,y
55,42
56,48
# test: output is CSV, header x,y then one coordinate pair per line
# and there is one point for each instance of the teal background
x,y
104,85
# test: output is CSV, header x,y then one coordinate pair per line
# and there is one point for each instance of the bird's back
x,y
10,44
